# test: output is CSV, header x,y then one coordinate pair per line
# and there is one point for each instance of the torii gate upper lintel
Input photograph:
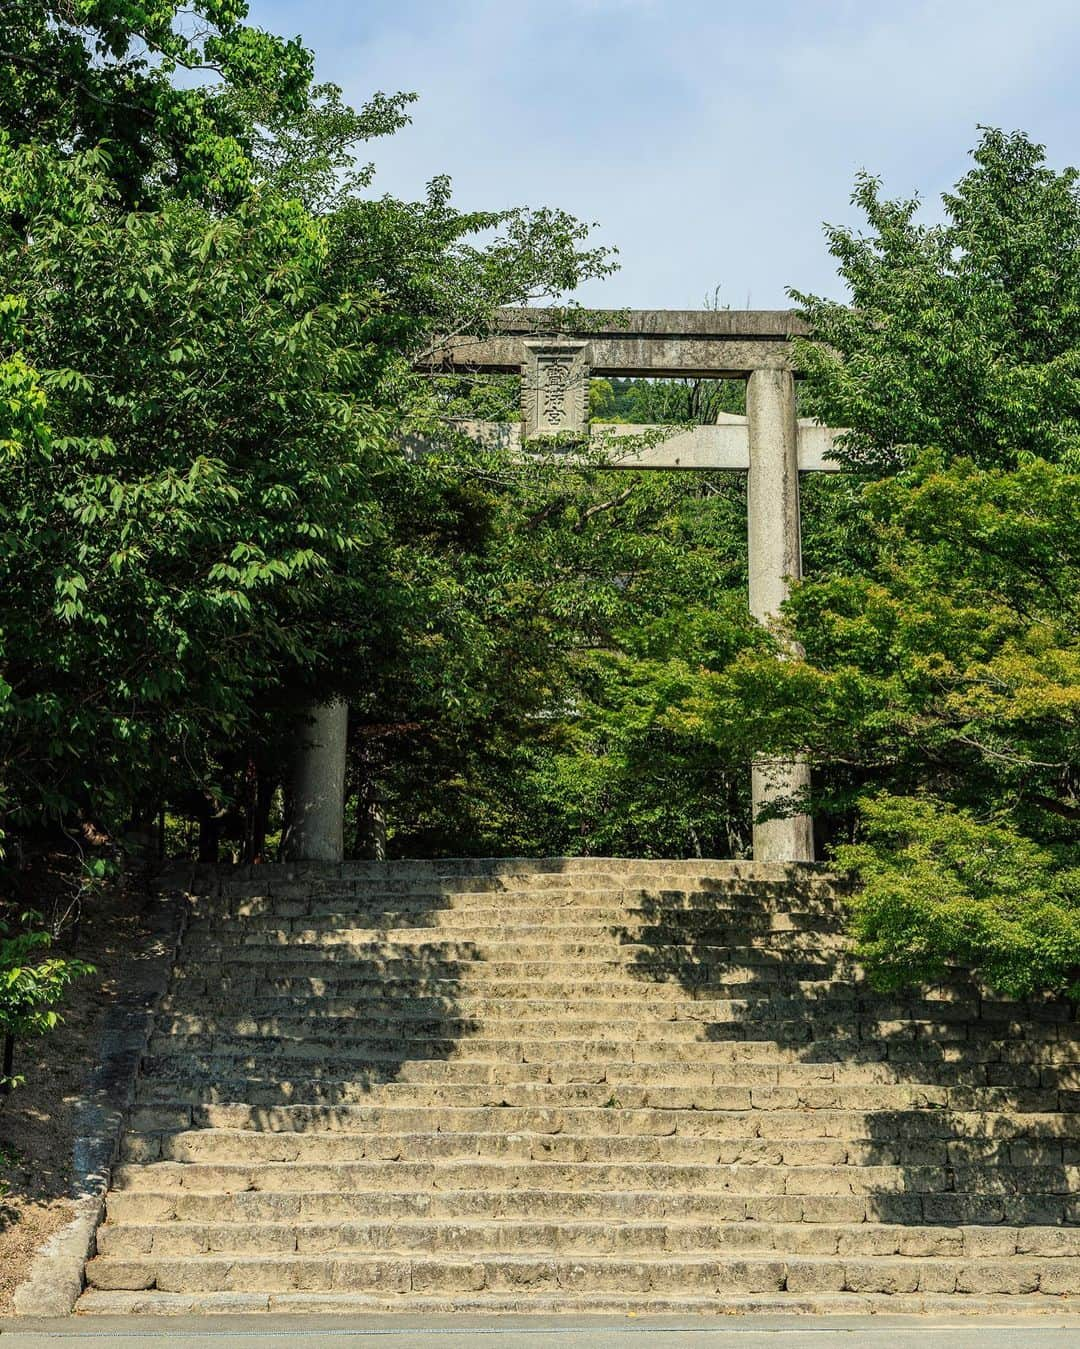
x,y
556,352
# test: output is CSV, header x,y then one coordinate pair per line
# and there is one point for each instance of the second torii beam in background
x,y
723,446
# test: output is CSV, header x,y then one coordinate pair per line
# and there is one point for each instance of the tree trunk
x,y
258,817
209,831
9,1064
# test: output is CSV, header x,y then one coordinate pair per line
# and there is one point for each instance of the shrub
x,y
30,988
939,888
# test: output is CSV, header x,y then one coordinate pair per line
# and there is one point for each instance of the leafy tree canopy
x,y
942,660
965,335
210,341
83,73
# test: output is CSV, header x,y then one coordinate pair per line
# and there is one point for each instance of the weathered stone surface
x,y
522,1086
555,388
725,446
654,342
315,829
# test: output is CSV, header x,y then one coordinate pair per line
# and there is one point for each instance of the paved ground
x,y
876,1332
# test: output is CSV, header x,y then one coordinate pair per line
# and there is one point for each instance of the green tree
x,y
965,335
207,402
32,983
942,663
79,74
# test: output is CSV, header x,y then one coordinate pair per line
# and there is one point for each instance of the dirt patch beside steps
x,y
119,932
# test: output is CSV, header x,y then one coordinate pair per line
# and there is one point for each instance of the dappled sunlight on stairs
x,y
581,1085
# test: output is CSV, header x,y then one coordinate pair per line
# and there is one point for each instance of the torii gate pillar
x,y
316,825
775,559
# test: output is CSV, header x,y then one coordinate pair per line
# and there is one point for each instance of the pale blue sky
x,y
709,138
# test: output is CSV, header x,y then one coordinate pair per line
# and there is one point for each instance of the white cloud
x,y
710,138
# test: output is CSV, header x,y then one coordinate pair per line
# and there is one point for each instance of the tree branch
x,y
1065,809
603,506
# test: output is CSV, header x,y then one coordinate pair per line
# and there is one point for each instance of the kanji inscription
x,y
554,388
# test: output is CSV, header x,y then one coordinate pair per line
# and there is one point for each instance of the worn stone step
x,y
503,872
667,891
990,1306
229,1057
206,1032
665,1273
622,903
407,1007
358,981
216,1013
265,1091
539,946
591,918
997,1129
224,1056
611,908
665,1001
491,1019
724,1147
523,943
500,1235
318,1085
255,967
437,915
750,1178
599,912
952,1209
470,1015
862,1067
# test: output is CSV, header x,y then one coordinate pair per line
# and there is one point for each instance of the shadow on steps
x,y
971,1102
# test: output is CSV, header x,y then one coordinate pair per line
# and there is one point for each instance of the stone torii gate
x,y
771,444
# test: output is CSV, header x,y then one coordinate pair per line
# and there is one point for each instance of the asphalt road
x,y
875,1332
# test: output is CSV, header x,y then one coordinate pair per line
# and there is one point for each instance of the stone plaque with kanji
x,y
555,388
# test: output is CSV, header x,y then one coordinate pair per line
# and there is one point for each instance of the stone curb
x,y
57,1274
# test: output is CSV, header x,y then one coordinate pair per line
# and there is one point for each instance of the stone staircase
x,y
580,1085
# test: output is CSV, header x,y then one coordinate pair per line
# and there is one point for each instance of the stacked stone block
x,y
581,1085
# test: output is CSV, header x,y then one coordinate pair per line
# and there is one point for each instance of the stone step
x,y
574,1236
613,907
505,872
609,998
990,1307
292,1014
497,1020
688,1071
749,1178
444,1082
327,1092
862,1067
378,1272
590,917
516,941
619,896
952,1209
1000,1129
358,980
668,888
480,973
817,1150
373,1001
321,1022
610,908
209,1055
203,1032
547,946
